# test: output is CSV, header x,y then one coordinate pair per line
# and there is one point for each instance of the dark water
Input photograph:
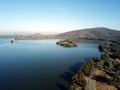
x,y
40,64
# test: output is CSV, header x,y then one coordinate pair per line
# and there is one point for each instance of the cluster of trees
x,y
78,79
86,69
113,40
93,38
66,43
112,49
116,81
115,51
106,63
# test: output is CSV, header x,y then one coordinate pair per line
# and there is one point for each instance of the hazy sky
x,y
58,15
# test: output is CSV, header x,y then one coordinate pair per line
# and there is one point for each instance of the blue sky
x,y
58,15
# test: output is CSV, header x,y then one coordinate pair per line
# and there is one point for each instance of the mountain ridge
x,y
98,32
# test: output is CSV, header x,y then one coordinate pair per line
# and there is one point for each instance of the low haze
x,y
56,16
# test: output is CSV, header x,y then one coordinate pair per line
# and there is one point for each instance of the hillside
x,y
99,32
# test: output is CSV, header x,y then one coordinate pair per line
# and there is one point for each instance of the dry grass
x,y
87,82
103,86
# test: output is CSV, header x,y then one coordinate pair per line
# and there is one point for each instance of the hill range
x,y
99,32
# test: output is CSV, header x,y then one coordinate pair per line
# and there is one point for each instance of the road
x,y
91,81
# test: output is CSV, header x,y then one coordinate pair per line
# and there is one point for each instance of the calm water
x,y
40,64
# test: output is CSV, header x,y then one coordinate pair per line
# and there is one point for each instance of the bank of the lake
x,y
100,73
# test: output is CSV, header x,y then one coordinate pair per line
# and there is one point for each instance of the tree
x,y
87,68
116,80
79,79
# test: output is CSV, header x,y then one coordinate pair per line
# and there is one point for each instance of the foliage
x,y
87,68
66,43
107,63
116,80
79,79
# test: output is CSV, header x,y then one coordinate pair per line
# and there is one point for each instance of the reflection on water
x,y
40,64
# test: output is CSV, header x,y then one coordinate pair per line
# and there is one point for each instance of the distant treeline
x,y
114,40
28,37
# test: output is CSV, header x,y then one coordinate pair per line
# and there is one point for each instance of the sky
x,y
56,16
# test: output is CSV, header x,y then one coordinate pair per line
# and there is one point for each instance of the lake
x,y
41,64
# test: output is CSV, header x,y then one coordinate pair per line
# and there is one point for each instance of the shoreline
x,y
78,80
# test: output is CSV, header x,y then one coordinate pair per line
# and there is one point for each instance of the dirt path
x,y
91,81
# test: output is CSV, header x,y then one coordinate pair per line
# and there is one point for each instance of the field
x,y
103,85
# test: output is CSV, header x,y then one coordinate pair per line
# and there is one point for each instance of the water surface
x,y
40,64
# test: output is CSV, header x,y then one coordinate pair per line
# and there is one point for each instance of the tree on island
x,y
66,43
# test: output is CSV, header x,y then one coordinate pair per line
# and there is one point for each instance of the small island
x,y
13,41
66,43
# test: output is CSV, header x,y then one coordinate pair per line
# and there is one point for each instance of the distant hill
x,y
99,32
